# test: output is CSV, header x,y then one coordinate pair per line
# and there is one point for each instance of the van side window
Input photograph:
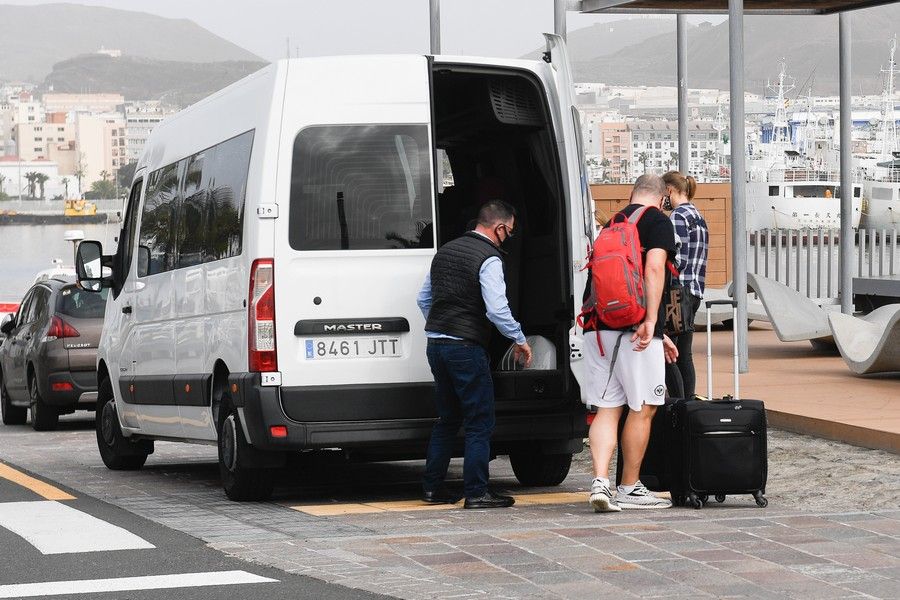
x,y
361,187
129,228
226,172
157,221
191,234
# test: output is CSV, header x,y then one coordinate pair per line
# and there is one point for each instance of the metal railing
x,y
807,259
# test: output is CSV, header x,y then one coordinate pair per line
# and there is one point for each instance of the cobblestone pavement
x,y
832,528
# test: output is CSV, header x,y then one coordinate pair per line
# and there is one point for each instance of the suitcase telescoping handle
x,y
733,304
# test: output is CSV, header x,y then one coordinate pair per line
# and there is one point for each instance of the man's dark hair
x,y
495,211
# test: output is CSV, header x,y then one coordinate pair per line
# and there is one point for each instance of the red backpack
x,y
617,296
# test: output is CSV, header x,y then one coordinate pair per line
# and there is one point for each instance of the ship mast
x,y
780,130
888,120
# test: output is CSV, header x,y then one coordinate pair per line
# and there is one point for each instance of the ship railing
x,y
808,259
893,177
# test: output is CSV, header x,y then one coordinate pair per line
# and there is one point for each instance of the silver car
x,y
48,356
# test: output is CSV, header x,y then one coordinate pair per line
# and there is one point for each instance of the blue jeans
x,y
464,398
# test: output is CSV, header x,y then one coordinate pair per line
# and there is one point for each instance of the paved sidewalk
x,y
832,529
806,390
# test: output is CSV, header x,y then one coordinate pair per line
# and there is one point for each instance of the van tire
x,y
43,416
117,451
12,415
540,470
241,483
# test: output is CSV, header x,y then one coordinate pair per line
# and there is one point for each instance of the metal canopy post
x,y
738,174
846,249
559,18
434,15
684,155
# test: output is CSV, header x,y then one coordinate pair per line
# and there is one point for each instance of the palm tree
x,y
65,182
31,177
104,175
41,179
643,158
80,171
604,165
623,172
673,158
709,157
2,179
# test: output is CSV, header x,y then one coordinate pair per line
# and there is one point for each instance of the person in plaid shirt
x,y
692,238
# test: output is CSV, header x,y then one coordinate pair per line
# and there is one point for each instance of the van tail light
x,y
60,329
61,386
261,321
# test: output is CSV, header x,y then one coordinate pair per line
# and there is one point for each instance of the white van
x,y
277,234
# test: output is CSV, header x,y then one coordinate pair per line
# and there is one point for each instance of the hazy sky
x,y
321,27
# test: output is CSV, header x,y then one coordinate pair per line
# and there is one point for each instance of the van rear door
x,y
579,204
354,239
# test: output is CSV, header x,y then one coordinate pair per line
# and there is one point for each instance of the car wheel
x,y
117,451
540,470
12,415
43,416
241,483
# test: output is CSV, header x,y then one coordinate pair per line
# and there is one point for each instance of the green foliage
x,y
103,189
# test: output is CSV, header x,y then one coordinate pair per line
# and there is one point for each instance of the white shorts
x,y
638,378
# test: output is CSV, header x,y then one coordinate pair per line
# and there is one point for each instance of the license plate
x,y
368,347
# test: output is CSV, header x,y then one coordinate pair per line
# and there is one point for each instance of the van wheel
x,y
540,470
241,483
117,451
12,415
43,416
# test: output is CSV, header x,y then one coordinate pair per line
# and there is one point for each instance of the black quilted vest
x,y
457,307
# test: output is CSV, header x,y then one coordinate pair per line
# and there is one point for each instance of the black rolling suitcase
x,y
703,448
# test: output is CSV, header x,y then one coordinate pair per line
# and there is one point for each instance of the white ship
x,y
881,193
796,188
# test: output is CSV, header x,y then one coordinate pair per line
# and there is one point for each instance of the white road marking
x,y
55,528
124,584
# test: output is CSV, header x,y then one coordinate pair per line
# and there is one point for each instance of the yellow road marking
x,y
361,508
45,490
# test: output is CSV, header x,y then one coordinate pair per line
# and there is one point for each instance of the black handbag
x,y
679,309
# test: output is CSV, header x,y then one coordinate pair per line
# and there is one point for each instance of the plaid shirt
x,y
693,247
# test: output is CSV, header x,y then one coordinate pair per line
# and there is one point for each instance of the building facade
x,y
654,148
140,119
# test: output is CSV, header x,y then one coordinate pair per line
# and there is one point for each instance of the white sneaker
x,y
640,497
601,498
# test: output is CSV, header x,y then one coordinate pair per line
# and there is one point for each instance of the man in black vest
x,y
463,295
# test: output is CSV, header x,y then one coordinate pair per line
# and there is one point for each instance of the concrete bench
x,y
871,343
794,317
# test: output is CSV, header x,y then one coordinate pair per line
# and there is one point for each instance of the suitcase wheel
x,y
760,500
720,498
704,498
694,501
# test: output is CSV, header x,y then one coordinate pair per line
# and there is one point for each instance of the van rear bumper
x,y
261,409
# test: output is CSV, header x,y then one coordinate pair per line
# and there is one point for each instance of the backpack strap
x,y
636,215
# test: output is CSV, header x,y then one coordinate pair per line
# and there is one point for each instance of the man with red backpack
x,y
624,345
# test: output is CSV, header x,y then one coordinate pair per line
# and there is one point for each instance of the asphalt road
x,y
75,525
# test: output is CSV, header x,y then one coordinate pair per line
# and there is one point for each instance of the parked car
x,y
48,354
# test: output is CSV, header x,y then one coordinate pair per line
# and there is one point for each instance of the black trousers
x,y
681,378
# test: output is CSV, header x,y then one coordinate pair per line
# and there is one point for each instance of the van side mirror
x,y
91,266
8,324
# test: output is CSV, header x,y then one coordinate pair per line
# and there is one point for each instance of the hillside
x,y
809,45
603,39
34,38
178,83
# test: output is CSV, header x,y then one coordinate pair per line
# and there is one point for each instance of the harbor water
x,y
27,249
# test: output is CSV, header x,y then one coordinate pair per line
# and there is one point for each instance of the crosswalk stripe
x,y
123,584
45,490
55,528
359,508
